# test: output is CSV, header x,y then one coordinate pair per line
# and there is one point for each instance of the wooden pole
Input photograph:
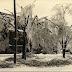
x,y
15,31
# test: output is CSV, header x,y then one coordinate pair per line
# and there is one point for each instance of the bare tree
x,y
25,16
59,18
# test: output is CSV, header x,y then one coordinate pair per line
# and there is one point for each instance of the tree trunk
x,y
63,53
30,46
24,49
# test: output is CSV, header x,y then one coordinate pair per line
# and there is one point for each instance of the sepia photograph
x,y
35,35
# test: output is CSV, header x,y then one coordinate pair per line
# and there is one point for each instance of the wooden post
x,y
15,31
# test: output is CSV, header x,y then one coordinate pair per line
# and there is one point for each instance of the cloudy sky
x,y
42,7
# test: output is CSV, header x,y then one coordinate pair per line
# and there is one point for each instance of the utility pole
x,y
15,32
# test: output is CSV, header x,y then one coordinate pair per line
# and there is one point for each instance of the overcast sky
x,y
42,7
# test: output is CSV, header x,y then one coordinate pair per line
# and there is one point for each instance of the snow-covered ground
x,y
4,56
43,57
26,68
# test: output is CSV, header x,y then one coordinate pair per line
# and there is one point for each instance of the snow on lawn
x,y
40,58
48,57
36,60
5,56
